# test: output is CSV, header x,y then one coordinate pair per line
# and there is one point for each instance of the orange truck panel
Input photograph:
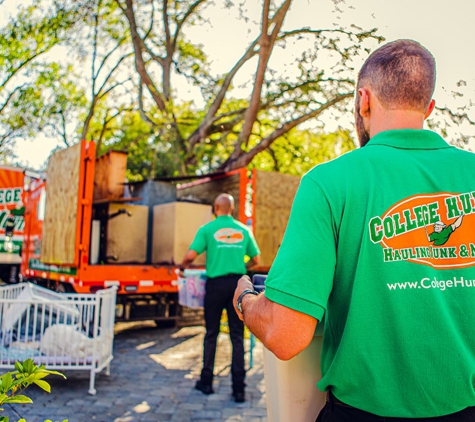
x,y
12,196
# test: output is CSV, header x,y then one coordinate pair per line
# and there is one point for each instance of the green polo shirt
x,y
226,242
399,310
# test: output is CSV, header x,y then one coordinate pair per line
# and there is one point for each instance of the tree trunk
x,y
266,44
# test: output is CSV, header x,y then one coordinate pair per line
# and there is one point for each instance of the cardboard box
x,y
127,234
174,228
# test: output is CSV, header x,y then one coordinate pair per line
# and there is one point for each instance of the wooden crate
x,y
174,228
60,223
273,200
127,235
109,175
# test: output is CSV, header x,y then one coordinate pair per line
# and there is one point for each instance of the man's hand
x,y
243,284
284,331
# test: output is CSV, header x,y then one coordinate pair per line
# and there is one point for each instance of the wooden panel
x,y
59,226
109,175
127,235
206,192
174,228
273,200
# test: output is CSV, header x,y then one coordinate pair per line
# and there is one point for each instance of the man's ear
x,y
363,98
430,109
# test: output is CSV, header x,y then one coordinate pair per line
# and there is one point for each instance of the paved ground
x,y
152,378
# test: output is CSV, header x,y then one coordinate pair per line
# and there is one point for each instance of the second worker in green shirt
x,y
226,242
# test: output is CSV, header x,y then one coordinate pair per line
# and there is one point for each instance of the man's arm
x,y
253,262
197,247
457,223
282,330
187,260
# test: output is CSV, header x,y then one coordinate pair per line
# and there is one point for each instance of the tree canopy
x,y
126,68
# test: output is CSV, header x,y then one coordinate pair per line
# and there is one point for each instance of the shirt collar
x,y
409,139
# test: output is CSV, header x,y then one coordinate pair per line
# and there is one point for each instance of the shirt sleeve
x,y
301,277
252,248
199,242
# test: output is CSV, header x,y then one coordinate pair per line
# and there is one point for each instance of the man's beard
x,y
361,132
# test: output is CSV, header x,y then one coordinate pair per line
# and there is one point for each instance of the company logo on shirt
x,y
435,229
229,236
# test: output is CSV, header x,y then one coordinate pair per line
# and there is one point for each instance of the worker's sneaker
x,y
204,388
239,397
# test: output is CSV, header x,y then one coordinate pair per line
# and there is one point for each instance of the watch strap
x,y
244,293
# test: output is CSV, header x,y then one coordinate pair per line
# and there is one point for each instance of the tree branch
x,y
307,30
152,21
113,87
267,43
228,114
139,62
166,26
94,50
111,72
15,70
64,136
182,21
200,133
142,113
106,57
7,100
456,117
246,157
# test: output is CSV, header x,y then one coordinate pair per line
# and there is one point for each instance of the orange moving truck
x,y
86,228
11,220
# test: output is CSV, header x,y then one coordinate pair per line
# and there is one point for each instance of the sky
x,y
445,28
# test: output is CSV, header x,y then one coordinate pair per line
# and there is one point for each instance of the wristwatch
x,y
239,299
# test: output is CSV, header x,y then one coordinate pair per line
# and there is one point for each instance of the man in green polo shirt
x,y
227,242
398,340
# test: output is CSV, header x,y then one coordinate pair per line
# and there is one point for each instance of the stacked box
x,y
127,234
174,228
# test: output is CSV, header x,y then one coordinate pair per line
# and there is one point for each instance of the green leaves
x,y
7,381
13,383
43,385
18,400
28,80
